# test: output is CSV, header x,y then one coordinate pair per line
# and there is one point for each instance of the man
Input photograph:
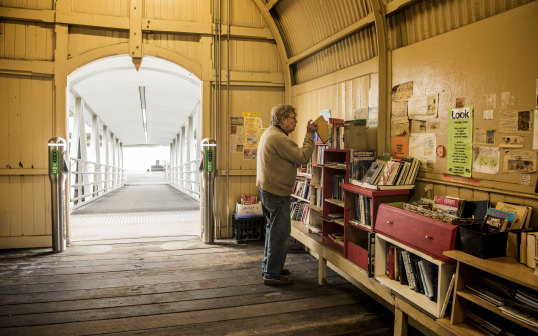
x,y
278,156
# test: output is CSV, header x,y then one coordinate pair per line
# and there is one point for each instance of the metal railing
x,y
185,177
92,180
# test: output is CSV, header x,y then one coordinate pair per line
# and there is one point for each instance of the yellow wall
x,y
41,42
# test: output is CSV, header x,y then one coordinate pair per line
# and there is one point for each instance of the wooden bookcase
x,y
333,204
444,274
357,234
503,267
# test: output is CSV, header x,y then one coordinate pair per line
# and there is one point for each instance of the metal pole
x,y
57,170
207,167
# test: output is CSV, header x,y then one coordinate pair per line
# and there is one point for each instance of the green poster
x,y
460,141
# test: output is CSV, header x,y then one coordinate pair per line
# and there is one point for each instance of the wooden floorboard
x,y
175,287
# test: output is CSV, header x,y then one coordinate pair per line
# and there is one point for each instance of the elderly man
x,y
278,156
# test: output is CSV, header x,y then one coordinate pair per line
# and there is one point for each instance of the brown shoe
x,y
282,280
285,271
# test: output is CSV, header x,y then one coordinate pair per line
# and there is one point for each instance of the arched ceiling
x,y
110,89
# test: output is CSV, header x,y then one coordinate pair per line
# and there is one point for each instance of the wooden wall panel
x,y
185,45
83,39
29,4
182,10
342,98
244,13
102,7
26,121
26,41
436,66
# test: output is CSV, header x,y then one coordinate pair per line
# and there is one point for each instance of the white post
x,y
106,135
189,137
96,149
82,148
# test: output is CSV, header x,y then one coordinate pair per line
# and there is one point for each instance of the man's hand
x,y
310,127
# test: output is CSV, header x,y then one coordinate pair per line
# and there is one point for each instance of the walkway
x,y
146,207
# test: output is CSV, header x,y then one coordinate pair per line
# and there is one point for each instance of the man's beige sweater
x,y
278,156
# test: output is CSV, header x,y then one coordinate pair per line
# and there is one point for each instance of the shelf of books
x,y
360,206
414,275
334,175
386,175
492,296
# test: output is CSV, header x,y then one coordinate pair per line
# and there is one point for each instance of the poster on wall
x,y
422,146
372,116
236,134
460,141
486,160
251,133
402,91
399,147
423,107
519,161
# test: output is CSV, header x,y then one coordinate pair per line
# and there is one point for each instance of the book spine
x,y
371,254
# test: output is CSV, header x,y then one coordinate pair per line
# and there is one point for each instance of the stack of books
x,y
336,133
393,174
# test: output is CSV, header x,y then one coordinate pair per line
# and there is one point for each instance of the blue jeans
x,y
277,232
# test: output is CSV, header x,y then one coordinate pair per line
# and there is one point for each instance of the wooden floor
x,y
175,286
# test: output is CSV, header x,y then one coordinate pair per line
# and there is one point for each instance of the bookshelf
x,y
506,269
312,205
360,211
334,174
442,277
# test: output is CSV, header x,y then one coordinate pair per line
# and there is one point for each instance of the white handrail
x,y
185,177
91,181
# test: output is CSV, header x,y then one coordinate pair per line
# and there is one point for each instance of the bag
x,y
249,209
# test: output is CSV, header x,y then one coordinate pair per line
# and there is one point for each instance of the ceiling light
x,y
142,91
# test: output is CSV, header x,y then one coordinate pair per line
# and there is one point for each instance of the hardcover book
x,y
497,220
361,159
373,171
448,205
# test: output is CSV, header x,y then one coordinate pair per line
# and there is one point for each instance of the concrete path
x,y
146,207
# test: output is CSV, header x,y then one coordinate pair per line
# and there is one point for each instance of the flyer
x,y
460,141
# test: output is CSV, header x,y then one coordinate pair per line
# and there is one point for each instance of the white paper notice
x,y
422,146
488,115
423,107
509,122
486,160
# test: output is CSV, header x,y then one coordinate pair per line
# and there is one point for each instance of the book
x,y
403,273
323,128
448,297
390,262
521,211
389,171
476,209
373,172
426,269
497,220
448,205
360,161
408,270
531,249
371,254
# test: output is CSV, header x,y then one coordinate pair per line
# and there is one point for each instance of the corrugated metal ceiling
x,y
304,23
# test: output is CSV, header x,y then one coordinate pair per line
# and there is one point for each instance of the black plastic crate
x,y
252,228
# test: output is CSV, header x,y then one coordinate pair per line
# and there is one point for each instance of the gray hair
x,y
280,112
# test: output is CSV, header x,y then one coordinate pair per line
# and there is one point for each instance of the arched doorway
x,y
133,146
